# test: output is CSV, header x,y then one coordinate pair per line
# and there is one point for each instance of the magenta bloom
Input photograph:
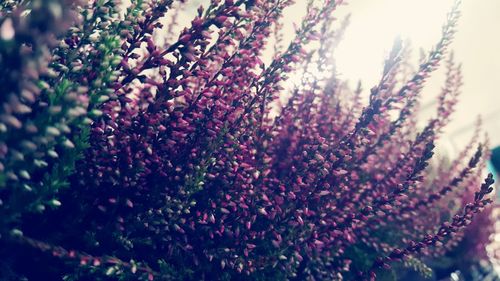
x,y
129,152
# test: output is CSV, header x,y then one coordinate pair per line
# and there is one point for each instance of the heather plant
x,y
130,153
43,115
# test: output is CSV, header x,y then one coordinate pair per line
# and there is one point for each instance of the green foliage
x,y
418,266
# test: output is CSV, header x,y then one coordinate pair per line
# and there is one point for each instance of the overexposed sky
x,y
375,24
476,46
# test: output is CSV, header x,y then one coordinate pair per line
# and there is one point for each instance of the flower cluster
x,y
187,159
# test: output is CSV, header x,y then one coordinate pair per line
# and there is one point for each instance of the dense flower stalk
x,y
168,157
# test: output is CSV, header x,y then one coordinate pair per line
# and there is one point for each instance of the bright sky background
x,y
375,24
